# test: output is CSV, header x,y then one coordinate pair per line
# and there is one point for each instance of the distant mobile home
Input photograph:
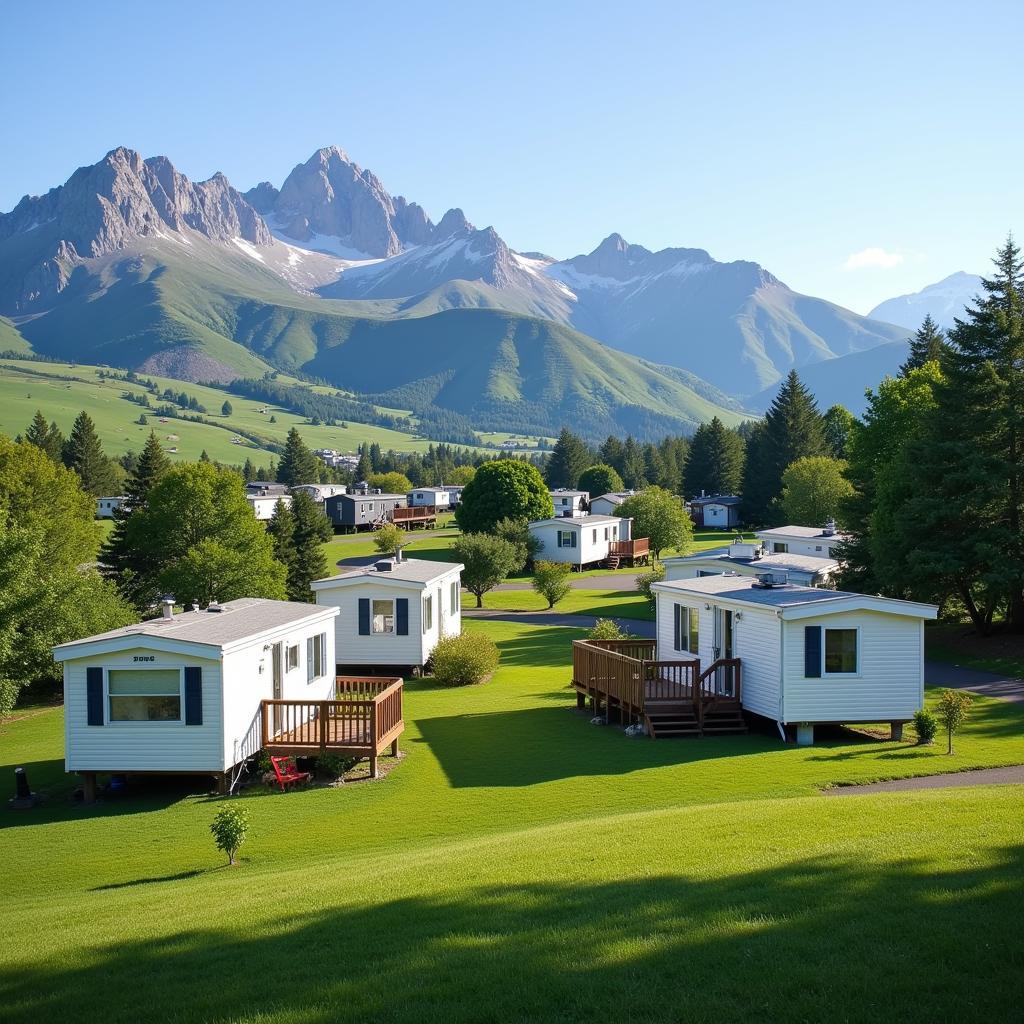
x,y
362,510
263,505
392,613
106,508
568,502
320,492
439,497
607,504
747,558
586,540
804,540
183,694
721,511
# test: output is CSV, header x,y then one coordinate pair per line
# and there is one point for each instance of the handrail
x,y
722,680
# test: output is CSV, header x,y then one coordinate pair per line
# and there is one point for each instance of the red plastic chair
x,y
286,772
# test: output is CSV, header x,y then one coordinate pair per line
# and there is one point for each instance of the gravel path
x,y
983,777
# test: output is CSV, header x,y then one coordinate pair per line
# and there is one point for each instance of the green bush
x,y
926,725
607,629
551,581
952,712
646,579
230,827
333,766
261,761
388,539
463,660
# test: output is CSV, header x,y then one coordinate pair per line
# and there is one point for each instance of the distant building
x,y
587,540
746,558
263,505
568,502
106,507
454,493
362,509
436,496
607,504
719,511
804,540
320,492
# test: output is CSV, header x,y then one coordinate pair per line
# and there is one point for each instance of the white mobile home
x,y
803,540
320,492
182,694
750,559
584,540
806,655
107,507
392,613
607,504
263,505
423,496
721,511
568,502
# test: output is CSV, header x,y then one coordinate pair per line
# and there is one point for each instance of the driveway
x,y
981,777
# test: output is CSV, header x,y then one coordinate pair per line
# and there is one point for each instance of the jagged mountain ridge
x,y
944,301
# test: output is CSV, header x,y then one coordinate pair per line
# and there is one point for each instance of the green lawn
x,y
435,545
520,864
957,642
610,604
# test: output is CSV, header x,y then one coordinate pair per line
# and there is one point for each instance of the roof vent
x,y
384,566
830,529
214,607
768,580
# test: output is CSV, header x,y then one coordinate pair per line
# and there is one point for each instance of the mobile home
x,y
263,505
392,613
721,511
804,540
362,510
183,694
438,497
585,540
746,558
106,508
568,502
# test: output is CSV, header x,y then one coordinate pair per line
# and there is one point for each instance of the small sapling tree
x,y
230,827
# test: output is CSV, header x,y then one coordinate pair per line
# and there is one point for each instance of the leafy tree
x,y
552,581
390,483
500,489
567,460
230,826
460,475
606,629
517,533
928,345
312,529
298,464
837,423
48,437
486,559
388,539
600,479
226,409
661,518
715,461
952,712
962,481
84,454
187,507
792,429
646,580
814,490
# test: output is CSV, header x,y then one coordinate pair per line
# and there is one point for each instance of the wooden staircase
x,y
672,720
723,721
612,562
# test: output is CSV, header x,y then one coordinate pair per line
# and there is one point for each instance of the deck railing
x,y
721,681
414,513
638,548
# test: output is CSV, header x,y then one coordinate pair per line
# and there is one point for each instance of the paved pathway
x,y
982,777
988,684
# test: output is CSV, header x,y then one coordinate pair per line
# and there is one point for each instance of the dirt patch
x,y
184,362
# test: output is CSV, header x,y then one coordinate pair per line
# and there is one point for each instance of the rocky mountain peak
x,y
454,222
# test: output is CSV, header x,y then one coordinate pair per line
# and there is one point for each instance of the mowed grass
x,y
520,864
611,604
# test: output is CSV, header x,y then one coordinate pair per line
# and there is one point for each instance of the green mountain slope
x,y
11,339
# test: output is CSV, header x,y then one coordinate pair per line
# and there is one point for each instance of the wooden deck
x,y
414,516
623,679
363,720
628,552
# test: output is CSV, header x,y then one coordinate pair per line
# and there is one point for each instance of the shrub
x,y
464,659
517,533
607,629
952,712
551,581
926,725
486,562
333,766
388,539
230,827
645,581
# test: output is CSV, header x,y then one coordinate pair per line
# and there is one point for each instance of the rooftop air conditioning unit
x,y
830,529
384,566
567,513
767,580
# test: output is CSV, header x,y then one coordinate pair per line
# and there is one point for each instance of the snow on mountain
x,y
944,300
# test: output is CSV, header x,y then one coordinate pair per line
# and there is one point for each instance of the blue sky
x,y
856,150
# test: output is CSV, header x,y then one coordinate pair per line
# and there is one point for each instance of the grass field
x,y
610,604
520,864
25,388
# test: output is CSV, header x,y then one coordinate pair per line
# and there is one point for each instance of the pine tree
x,y
204,456
613,453
715,461
633,467
567,460
792,429
249,470
225,409
376,457
928,344
364,467
282,529
312,529
84,454
44,436
298,464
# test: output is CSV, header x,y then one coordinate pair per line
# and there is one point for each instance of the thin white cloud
x,y
873,258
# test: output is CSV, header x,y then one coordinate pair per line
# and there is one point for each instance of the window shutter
x,y
575,540
310,658
812,652
364,616
678,616
402,616
94,696
193,696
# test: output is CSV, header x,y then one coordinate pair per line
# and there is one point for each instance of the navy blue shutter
x,y
812,652
678,610
193,696
575,540
94,696
402,616
364,616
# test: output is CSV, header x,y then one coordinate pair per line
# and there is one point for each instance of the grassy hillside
x,y
519,864
26,386
11,339
213,313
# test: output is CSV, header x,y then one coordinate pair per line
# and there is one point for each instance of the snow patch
x,y
249,249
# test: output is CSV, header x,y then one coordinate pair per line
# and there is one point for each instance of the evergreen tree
x,y
567,460
282,531
633,467
312,529
204,456
364,467
793,429
613,453
928,345
961,486
84,454
674,454
715,461
48,437
376,457
249,470
225,409
298,464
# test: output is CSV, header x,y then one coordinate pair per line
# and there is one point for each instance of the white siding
x,y
816,547
603,507
249,678
889,683
592,545
678,569
142,746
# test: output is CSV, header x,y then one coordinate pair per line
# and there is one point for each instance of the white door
x,y
277,659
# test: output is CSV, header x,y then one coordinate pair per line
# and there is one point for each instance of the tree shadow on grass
x,y
820,939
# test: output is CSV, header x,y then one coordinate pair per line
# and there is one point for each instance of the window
x,y
456,596
428,613
778,548
594,538
606,533
383,616
687,633
817,547
841,651
567,539
293,657
316,656
615,533
144,695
